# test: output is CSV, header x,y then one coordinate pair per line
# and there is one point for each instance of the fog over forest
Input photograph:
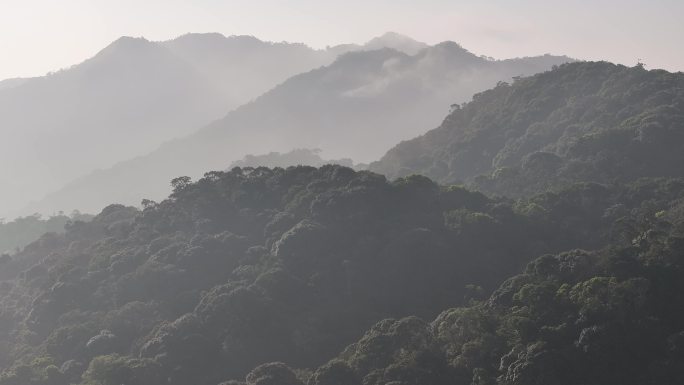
x,y
219,208
142,112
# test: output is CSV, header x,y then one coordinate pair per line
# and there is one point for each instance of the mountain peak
x,y
396,41
193,37
394,35
126,45
215,37
452,52
214,42
129,41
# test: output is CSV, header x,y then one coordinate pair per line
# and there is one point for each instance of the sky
x,y
40,36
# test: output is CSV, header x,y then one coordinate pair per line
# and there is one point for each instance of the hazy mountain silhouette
x,y
396,41
357,107
11,83
244,67
126,100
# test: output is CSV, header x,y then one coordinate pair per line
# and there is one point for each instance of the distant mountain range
x,y
129,98
357,107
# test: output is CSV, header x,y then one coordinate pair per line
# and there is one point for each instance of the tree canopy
x,y
581,122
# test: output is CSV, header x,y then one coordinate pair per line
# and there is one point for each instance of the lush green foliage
x,y
609,317
263,265
255,265
595,122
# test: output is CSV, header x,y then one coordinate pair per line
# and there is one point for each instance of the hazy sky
x,y
37,36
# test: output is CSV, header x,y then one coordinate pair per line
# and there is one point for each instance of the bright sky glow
x,y
37,36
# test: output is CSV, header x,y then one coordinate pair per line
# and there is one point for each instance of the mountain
x,y
396,41
120,102
244,67
576,317
126,100
332,272
356,108
583,122
393,40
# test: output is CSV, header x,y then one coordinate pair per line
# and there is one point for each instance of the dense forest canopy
x,y
286,267
590,122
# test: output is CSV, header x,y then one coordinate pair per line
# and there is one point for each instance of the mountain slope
x,y
258,265
581,122
355,108
573,318
244,67
126,100
115,104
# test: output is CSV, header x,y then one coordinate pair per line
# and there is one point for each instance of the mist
x,y
126,100
351,101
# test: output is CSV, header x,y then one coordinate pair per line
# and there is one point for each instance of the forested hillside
x,y
612,316
254,266
591,121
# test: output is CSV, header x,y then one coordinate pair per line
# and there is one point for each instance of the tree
x,y
180,183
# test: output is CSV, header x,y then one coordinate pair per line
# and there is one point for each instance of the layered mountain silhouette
x,y
584,122
328,276
357,107
129,98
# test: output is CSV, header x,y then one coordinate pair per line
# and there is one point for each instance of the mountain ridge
x,y
551,128
125,100
356,107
